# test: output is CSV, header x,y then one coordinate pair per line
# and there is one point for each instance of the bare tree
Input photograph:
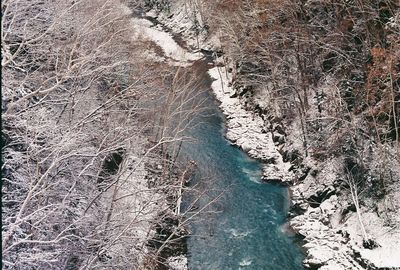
x,y
354,186
77,98
74,89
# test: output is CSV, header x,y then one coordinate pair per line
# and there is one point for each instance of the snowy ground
x,y
172,52
171,49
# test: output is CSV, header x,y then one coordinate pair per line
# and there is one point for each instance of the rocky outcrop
x,y
247,130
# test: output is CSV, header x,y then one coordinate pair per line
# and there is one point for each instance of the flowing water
x,y
242,230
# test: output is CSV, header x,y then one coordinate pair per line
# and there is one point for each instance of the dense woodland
x,y
82,108
334,65
90,135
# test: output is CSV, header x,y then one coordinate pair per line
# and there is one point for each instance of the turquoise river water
x,y
243,228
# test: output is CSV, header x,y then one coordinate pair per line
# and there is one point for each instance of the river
x,y
243,228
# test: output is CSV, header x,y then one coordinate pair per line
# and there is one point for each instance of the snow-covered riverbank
x,y
330,242
246,129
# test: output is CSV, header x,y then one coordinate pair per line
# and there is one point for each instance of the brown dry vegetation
x,y
333,66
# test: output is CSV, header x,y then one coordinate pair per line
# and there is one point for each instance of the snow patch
x,y
237,234
177,263
165,41
245,262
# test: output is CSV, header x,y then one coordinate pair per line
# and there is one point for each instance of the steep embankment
x,y
332,236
